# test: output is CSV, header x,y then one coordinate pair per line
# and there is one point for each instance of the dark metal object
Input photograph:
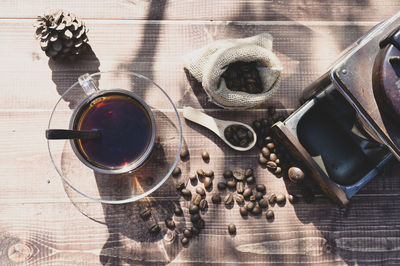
x,y
386,71
72,134
348,126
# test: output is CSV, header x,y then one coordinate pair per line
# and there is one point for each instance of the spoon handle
x,y
72,134
201,118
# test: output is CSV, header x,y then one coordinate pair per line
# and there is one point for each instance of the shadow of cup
x,y
124,220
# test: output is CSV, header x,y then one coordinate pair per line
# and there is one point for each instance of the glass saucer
x,y
134,185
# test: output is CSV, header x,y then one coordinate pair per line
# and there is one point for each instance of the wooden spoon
x,y
217,126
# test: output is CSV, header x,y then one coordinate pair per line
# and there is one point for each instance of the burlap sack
x,y
209,63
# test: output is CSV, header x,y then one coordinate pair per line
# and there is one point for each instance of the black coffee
x,y
125,129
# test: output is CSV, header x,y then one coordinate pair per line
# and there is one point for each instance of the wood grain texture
x,y
231,10
157,49
44,222
49,230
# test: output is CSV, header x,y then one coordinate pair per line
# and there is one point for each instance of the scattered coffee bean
x,y
270,145
239,187
232,229
200,173
272,198
199,223
184,241
277,161
253,197
216,198
263,203
280,198
250,179
196,200
209,173
293,198
248,172
154,228
176,172
271,165
207,182
193,209
295,174
179,186
238,175
256,210
195,217
247,192
170,223
273,157
278,170
265,152
192,178
187,233
243,211
186,192
200,191
228,174
145,213
203,204
206,156
178,211
250,206
231,183
184,153
228,199
268,139
270,214
239,198
260,187
259,195
221,185
261,159
195,231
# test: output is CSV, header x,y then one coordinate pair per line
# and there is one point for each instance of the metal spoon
x,y
217,126
72,134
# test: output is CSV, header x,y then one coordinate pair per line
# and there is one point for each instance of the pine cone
x,y
61,35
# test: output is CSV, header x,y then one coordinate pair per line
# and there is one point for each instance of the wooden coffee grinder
x,y
348,126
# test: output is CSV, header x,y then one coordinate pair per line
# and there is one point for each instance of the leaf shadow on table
x,y
130,240
124,221
64,73
130,237
343,235
331,234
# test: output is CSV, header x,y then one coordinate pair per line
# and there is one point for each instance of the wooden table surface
x,y
42,223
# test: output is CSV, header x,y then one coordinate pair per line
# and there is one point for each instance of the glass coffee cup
x,y
129,168
126,124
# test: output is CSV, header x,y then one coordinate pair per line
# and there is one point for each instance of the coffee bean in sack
x,y
243,76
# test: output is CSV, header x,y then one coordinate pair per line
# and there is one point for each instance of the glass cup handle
x,y
87,84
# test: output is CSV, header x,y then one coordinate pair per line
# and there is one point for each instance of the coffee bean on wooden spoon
x,y
218,127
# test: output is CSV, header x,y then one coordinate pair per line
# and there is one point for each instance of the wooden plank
x,y
292,10
298,234
156,50
40,226
47,229
26,160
